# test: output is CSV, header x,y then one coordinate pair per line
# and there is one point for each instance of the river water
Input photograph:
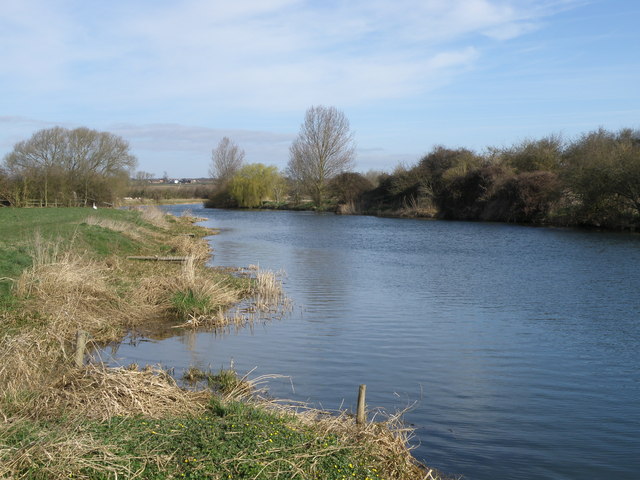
x,y
517,347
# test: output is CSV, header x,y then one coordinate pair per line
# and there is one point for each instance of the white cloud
x,y
261,53
247,62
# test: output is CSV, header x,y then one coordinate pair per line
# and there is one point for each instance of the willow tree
x,y
323,149
255,183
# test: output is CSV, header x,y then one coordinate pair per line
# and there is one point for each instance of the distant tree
x,y
76,166
254,183
466,196
535,155
226,159
443,165
323,149
143,177
7,190
348,186
528,197
374,176
603,171
280,189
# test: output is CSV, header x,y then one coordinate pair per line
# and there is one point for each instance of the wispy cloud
x,y
409,73
251,53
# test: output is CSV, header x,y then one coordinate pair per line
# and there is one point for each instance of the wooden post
x,y
156,258
81,343
361,416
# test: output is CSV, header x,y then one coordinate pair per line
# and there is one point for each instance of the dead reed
x,y
186,246
101,393
71,291
59,453
153,215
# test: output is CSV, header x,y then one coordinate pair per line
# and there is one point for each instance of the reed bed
x,y
267,291
187,246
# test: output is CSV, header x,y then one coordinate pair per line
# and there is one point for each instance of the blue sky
x,y
174,76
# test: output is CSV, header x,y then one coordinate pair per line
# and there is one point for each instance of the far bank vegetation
x,y
591,181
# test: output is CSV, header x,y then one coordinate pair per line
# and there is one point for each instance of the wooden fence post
x,y
81,343
361,416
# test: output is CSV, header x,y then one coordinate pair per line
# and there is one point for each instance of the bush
x,y
526,198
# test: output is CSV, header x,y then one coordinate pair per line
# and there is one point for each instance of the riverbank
x,y
64,270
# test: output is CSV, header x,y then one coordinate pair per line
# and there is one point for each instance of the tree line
x,y
592,180
58,166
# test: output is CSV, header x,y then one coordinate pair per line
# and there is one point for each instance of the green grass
x,y
19,226
12,261
189,302
104,242
226,381
232,440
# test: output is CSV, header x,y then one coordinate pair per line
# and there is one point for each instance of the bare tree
x,y
143,177
323,149
81,164
226,160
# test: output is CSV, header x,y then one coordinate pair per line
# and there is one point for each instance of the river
x,y
517,348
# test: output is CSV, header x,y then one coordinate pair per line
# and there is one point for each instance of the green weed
x,y
189,302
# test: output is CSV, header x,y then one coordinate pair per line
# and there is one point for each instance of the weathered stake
x,y
81,344
361,415
156,258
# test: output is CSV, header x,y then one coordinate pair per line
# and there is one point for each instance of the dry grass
x,y
73,292
127,228
61,454
28,362
187,246
153,215
101,393
266,300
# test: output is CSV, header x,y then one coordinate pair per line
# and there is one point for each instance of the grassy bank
x,y
67,269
